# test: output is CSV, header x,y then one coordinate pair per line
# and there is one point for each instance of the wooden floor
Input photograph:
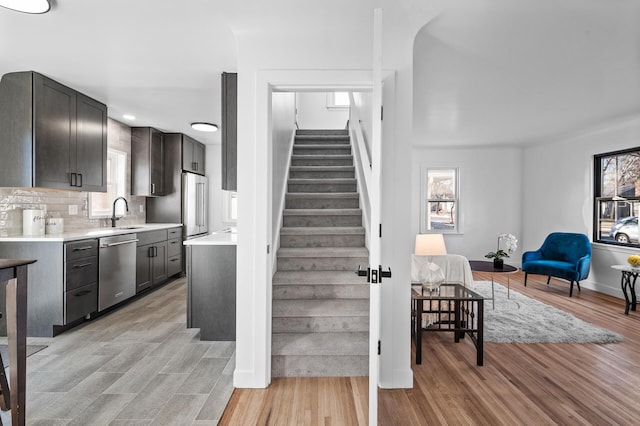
x,y
519,384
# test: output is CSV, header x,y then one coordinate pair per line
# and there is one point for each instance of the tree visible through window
x,y
617,197
439,200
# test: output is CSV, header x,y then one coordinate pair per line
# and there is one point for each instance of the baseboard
x,y
401,379
247,379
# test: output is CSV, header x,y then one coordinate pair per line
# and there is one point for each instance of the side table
x,y
487,266
628,284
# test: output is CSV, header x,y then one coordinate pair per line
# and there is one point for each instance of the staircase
x,y
320,306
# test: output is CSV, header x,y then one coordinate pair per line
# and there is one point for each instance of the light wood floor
x,y
519,384
138,365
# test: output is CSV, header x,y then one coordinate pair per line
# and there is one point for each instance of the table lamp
x,y
431,275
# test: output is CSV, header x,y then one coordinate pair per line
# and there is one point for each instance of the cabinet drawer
x,y
174,265
174,247
80,302
174,233
81,272
151,237
80,249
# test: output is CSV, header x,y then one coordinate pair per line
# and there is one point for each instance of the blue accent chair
x,y
563,255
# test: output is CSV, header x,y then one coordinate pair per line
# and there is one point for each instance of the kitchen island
x,y
211,278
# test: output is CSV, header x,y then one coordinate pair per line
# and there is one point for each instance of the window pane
x,y
341,99
608,184
628,172
441,216
441,184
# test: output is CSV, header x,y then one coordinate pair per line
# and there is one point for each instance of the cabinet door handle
x,y
80,179
150,252
174,260
194,166
83,265
153,188
82,293
72,179
83,248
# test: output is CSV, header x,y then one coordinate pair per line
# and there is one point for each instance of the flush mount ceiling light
x,y
204,127
128,117
27,6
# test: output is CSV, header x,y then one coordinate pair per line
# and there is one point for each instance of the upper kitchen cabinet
x,y
147,161
192,155
229,130
52,136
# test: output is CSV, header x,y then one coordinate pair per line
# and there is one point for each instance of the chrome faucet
x,y
113,214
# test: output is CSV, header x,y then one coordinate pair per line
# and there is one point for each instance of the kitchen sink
x,y
130,227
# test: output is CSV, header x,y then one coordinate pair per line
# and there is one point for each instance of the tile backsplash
x,y
59,203
55,204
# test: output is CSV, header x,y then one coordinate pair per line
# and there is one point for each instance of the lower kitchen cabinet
x,y
80,302
157,257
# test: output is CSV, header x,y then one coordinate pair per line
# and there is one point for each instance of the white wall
x,y
558,195
283,116
490,196
314,114
213,162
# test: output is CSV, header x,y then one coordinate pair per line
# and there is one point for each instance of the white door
x,y
375,260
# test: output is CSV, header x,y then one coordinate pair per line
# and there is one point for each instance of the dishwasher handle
x,y
118,243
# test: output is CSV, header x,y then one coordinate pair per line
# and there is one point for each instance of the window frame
x,y
424,200
598,199
331,101
121,158
228,207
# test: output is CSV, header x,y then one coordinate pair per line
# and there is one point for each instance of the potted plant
x,y
499,254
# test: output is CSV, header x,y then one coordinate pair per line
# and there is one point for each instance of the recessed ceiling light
x,y
204,127
27,6
128,117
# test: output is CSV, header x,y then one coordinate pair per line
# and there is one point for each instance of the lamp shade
x,y
430,245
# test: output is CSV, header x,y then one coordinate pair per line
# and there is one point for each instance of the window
x,y
617,197
100,204
230,206
338,100
439,200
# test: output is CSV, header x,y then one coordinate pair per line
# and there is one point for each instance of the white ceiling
x,y
493,71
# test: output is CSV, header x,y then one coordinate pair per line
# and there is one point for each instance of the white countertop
x,y
214,239
90,233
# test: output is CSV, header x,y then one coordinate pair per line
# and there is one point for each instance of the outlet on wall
x,y
73,209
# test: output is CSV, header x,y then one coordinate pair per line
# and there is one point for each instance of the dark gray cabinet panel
x,y
193,154
51,135
211,299
143,268
80,279
147,161
154,262
229,129
80,302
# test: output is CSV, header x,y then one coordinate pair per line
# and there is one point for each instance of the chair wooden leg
x,y
525,278
571,289
578,284
548,279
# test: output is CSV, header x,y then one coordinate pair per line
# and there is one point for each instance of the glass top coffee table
x,y
487,266
455,308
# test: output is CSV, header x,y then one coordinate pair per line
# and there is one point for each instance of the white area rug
x,y
521,319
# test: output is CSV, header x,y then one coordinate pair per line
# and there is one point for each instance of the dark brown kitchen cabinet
x,y
229,134
193,153
151,259
147,162
52,136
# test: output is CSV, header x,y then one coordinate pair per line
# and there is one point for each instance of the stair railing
x,y
362,162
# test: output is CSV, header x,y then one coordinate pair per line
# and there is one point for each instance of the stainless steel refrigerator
x,y
194,204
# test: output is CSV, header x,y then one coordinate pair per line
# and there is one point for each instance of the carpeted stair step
x,y
329,236
322,139
322,259
322,149
337,278
322,172
321,217
322,185
313,200
320,315
320,354
319,285
321,160
342,132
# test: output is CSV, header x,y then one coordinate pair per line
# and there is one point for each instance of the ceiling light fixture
x,y
204,127
128,117
27,6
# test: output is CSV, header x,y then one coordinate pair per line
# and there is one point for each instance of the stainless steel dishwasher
x,y
117,269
